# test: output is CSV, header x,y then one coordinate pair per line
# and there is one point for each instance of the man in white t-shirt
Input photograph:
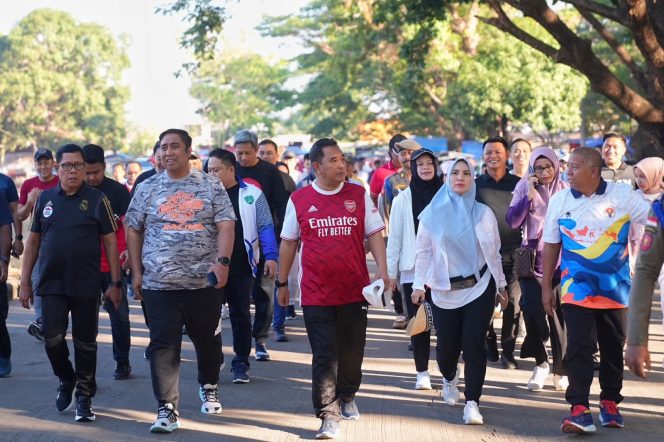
x,y
590,224
332,218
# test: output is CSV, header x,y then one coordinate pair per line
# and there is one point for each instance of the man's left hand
x,y
17,247
4,271
270,270
221,272
114,294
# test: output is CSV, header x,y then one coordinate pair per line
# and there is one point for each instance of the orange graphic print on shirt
x,y
180,208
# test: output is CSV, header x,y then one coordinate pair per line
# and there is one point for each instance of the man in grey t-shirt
x,y
181,227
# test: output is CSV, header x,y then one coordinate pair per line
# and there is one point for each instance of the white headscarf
x,y
450,219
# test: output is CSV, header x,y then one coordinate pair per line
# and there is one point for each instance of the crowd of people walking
x,y
554,246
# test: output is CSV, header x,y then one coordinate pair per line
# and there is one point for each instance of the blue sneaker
x,y
579,422
240,375
261,353
349,410
609,415
280,334
5,367
329,429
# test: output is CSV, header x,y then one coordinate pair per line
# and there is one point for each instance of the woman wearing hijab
x,y
458,256
527,211
404,222
649,176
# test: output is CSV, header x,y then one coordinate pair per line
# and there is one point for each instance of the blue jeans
x,y
119,320
238,295
279,313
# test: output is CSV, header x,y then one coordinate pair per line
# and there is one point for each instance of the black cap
x,y
418,153
43,153
93,154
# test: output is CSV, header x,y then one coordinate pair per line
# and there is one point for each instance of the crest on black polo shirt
x,y
84,206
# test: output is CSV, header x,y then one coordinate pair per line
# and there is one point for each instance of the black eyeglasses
x,y
67,166
540,170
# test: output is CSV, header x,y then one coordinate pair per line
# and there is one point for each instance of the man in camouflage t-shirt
x,y
181,227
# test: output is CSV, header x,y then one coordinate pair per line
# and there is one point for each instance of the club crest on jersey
x,y
610,211
48,210
84,206
350,205
249,199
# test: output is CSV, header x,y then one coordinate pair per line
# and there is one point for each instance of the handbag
x,y
524,262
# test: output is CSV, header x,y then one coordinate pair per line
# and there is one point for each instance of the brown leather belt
x,y
460,282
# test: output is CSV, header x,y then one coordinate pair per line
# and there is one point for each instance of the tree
x,y
61,81
241,91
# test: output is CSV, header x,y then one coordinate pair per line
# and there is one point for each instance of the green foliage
x,y
240,91
61,81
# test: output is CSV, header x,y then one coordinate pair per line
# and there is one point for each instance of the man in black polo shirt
x,y
118,196
68,222
494,188
267,178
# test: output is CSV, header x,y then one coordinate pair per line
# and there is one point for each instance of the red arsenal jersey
x,y
332,226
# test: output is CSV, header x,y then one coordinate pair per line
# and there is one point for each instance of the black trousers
x,y
199,310
464,329
337,335
5,343
512,313
586,328
263,295
540,327
84,326
238,295
422,341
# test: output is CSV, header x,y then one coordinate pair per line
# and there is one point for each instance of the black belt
x,y
460,282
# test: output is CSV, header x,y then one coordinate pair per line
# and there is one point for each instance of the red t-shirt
x,y
379,176
332,226
35,183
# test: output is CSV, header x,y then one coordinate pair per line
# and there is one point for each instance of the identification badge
x,y
48,211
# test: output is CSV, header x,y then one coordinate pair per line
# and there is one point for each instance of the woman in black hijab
x,y
406,209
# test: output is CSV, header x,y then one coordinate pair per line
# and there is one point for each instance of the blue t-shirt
x,y
8,188
5,211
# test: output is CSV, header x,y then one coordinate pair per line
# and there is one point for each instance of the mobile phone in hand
x,y
212,279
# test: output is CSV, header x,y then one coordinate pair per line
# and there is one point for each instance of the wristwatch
x,y
224,261
117,284
19,237
279,285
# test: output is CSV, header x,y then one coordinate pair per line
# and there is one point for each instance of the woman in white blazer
x,y
458,257
404,222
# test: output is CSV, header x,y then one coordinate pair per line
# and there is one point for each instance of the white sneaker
x,y
560,383
471,414
450,393
540,373
224,312
209,395
423,381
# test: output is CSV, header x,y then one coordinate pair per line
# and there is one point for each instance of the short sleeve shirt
x,y
5,212
332,226
179,219
70,248
35,183
594,232
9,188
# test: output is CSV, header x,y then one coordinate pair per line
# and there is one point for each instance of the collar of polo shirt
x,y
600,189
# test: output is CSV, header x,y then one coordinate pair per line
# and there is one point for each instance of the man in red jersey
x,y
332,218
390,168
30,191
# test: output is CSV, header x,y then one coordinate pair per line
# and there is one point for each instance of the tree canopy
x,y
61,81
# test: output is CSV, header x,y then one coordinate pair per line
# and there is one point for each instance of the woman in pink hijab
x,y
527,212
649,176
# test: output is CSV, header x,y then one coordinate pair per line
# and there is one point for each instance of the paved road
x,y
276,405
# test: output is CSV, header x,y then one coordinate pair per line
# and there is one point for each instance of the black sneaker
x,y
280,334
261,353
65,396
122,371
84,411
508,362
240,375
34,329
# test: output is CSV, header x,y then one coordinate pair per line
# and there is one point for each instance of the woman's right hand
x,y
393,285
417,297
532,191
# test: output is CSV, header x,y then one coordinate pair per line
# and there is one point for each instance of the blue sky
x,y
158,99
